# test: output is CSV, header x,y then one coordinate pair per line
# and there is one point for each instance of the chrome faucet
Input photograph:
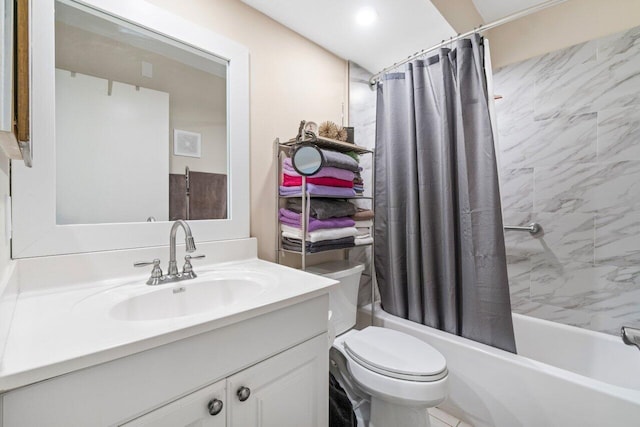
x,y
188,241
630,336
157,278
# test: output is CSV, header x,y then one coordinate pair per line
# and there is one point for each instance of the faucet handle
x,y
156,272
145,263
188,268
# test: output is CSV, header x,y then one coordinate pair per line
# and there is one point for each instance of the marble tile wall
x,y
569,139
362,116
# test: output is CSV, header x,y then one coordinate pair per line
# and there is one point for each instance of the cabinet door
x,y
192,410
288,390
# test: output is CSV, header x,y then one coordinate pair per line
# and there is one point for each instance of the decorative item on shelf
x,y
307,134
343,135
350,135
331,130
311,127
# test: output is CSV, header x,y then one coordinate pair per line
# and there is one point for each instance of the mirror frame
x,y
301,147
34,228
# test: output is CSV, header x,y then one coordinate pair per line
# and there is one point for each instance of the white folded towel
x,y
363,232
363,240
364,223
319,235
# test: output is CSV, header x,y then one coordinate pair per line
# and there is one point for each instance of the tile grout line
x,y
440,419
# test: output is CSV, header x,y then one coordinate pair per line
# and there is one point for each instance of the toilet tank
x,y
343,299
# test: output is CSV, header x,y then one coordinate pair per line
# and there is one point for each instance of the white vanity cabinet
x,y
191,410
280,355
286,390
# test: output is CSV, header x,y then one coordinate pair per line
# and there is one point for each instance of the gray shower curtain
x,y
439,252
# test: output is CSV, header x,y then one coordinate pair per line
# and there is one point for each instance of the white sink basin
x,y
186,299
211,292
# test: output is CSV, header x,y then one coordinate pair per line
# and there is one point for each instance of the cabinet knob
x,y
243,393
215,406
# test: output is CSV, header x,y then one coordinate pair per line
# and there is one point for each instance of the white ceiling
x,y
490,10
403,27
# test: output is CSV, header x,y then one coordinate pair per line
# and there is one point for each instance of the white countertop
x,y
59,330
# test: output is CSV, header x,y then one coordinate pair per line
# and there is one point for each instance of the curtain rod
x,y
376,77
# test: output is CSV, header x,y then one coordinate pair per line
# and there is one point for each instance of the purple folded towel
x,y
325,172
293,219
318,190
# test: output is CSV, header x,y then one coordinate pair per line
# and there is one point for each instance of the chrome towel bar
x,y
533,228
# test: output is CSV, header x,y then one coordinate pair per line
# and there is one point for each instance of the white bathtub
x,y
563,376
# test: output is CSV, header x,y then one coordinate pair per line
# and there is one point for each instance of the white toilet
x,y
398,375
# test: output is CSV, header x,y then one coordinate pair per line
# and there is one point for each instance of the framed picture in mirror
x,y
187,144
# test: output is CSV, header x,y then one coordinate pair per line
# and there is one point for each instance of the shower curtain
x,y
439,252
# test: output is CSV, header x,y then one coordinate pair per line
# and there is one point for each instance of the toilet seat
x,y
418,386
395,355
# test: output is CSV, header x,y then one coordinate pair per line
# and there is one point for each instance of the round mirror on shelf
x,y
307,159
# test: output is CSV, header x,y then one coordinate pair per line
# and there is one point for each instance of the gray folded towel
x,y
322,208
340,160
312,247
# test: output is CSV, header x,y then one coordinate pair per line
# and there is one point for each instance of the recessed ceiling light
x,y
366,16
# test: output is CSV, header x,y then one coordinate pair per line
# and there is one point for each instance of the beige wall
x,y
462,15
561,26
291,79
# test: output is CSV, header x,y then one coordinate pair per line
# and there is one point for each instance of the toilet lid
x,y
395,354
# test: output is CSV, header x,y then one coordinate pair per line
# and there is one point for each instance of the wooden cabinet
x,y
286,390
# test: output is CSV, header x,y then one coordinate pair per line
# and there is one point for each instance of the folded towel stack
x,y
358,184
324,245
335,178
327,171
322,208
363,240
330,225
319,235
362,215
332,221
317,190
363,219
294,219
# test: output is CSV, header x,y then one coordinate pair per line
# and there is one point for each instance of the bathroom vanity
x,y
84,340
85,355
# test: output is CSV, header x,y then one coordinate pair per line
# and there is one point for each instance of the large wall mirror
x,y
139,118
141,124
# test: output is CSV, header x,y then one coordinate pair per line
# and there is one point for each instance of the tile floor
x,y
439,418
